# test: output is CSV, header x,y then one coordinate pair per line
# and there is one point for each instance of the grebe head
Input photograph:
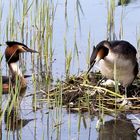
x,y
14,49
99,52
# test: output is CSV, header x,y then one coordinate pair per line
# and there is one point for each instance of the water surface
x,y
94,21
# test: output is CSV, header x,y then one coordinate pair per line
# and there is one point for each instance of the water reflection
x,y
12,116
13,120
124,2
119,129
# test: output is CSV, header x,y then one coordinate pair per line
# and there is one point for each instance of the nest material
x,y
81,93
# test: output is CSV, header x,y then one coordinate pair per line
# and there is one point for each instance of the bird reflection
x,y
12,116
119,129
123,2
13,120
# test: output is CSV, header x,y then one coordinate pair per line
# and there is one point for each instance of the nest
x,y
85,93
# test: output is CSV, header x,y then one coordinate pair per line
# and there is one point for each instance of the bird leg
x,y
125,100
100,81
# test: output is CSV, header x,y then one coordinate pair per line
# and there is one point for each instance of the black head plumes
x,y
14,49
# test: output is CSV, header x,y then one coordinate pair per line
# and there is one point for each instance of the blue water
x,y
94,20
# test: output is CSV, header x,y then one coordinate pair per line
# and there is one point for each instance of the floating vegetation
x,y
85,93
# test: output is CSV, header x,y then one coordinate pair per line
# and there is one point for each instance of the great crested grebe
x,y
12,54
117,54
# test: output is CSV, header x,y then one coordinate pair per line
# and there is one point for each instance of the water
x,y
56,123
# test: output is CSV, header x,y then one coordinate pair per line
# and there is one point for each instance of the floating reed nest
x,y
86,93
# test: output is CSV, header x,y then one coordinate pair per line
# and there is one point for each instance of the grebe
x,y
117,54
12,54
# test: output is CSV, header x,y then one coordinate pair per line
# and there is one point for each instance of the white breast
x,y
15,69
114,66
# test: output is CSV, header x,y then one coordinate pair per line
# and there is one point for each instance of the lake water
x,y
93,21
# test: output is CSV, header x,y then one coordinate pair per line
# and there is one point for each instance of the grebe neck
x,y
15,71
